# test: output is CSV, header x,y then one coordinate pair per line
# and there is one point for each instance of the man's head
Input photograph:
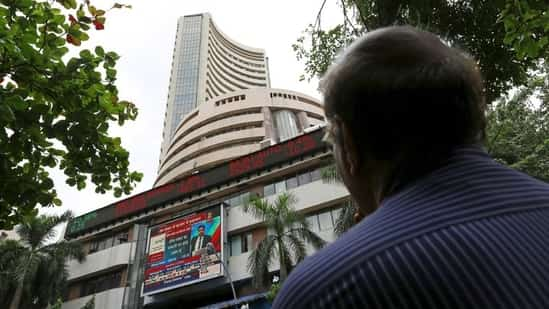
x,y
398,101
201,229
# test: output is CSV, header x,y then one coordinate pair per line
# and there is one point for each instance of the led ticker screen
x,y
259,160
184,251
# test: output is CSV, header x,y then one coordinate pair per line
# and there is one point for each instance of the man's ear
x,y
350,150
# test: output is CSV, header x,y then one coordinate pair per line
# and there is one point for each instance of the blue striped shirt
x,y
472,234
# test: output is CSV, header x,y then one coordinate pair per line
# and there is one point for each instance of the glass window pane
x,y
280,186
304,178
313,223
325,220
236,245
335,214
269,190
291,183
249,241
316,175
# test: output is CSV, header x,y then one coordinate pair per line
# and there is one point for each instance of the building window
x,y
108,242
280,186
325,220
239,199
241,243
313,223
101,283
304,178
291,183
269,190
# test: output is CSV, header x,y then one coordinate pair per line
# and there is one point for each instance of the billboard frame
x,y
221,254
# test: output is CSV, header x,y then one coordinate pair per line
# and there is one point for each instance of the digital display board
x,y
256,161
184,251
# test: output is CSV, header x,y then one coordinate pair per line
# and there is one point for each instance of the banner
x,y
184,251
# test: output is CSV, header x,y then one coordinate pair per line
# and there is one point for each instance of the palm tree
x,y
33,272
288,234
349,214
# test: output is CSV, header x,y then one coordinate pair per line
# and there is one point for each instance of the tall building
x,y
206,64
227,136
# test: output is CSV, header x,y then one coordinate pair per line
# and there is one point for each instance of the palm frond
x,y
37,231
297,246
257,207
329,174
285,259
261,259
65,250
309,236
345,220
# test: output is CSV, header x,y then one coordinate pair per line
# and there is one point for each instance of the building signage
x,y
265,158
184,251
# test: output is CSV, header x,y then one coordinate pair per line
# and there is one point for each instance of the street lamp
x,y
210,249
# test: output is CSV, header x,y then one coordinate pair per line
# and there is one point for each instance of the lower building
x,y
166,247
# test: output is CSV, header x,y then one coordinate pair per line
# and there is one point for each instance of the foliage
x,y
348,214
526,25
508,37
56,112
288,232
273,291
471,25
518,132
33,272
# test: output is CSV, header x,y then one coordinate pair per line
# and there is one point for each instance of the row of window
x,y
101,283
217,38
205,122
205,152
283,95
324,220
222,63
293,181
231,99
108,242
235,74
215,49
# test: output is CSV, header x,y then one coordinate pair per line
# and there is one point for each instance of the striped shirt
x,y
472,234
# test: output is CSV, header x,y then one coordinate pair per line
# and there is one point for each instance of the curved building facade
x,y
235,124
207,64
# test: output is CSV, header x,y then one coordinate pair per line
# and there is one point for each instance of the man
x,y
449,227
201,240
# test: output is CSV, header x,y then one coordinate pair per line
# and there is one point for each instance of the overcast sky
x,y
144,37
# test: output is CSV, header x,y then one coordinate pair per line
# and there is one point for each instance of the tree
x,y
350,213
526,25
518,132
55,110
33,273
287,236
476,26
507,37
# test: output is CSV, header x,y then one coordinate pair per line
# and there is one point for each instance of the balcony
x,y
109,299
314,195
101,260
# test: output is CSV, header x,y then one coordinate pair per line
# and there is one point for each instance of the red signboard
x,y
223,173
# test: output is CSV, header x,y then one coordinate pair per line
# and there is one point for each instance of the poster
x,y
184,251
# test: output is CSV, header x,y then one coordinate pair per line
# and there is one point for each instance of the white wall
x,y
109,299
107,258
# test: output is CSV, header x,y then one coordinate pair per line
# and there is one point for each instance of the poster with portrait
x,y
184,251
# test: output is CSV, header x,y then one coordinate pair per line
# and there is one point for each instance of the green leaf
x,y
99,51
6,114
